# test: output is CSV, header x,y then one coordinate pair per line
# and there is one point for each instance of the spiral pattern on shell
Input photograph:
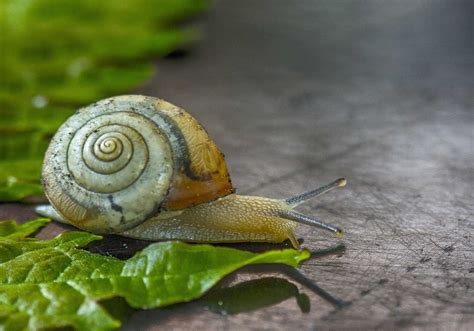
x,y
107,154
110,165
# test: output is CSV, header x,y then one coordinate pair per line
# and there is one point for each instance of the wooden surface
x,y
297,93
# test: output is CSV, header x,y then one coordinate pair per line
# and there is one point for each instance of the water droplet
x,y
39,101
78,66
11,180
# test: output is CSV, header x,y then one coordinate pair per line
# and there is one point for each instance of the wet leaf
x,y
54,283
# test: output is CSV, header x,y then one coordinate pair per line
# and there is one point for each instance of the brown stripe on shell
x,y
201,174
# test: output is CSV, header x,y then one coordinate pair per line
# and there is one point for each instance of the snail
x,y
143,168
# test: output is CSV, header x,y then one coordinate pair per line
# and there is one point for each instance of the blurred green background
x,y
56,56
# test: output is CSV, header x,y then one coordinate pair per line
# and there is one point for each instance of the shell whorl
x,y
109,166
108,154
115,163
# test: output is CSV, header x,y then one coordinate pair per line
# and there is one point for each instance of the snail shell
x,y
143,168
117,162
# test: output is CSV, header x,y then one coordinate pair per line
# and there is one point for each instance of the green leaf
x,y
19,178
10,230
53,283
57,56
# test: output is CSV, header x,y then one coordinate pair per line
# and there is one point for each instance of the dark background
x,y
298,93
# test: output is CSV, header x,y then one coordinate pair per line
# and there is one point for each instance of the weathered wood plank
x,y
297,94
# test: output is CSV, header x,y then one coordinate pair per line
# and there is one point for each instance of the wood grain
x,y
299,93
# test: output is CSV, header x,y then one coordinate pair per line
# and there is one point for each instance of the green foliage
x,y
56,56
52,283
10,230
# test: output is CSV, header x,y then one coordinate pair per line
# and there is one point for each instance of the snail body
x,y
143,168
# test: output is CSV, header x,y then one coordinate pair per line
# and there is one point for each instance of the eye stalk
x,y
301,198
